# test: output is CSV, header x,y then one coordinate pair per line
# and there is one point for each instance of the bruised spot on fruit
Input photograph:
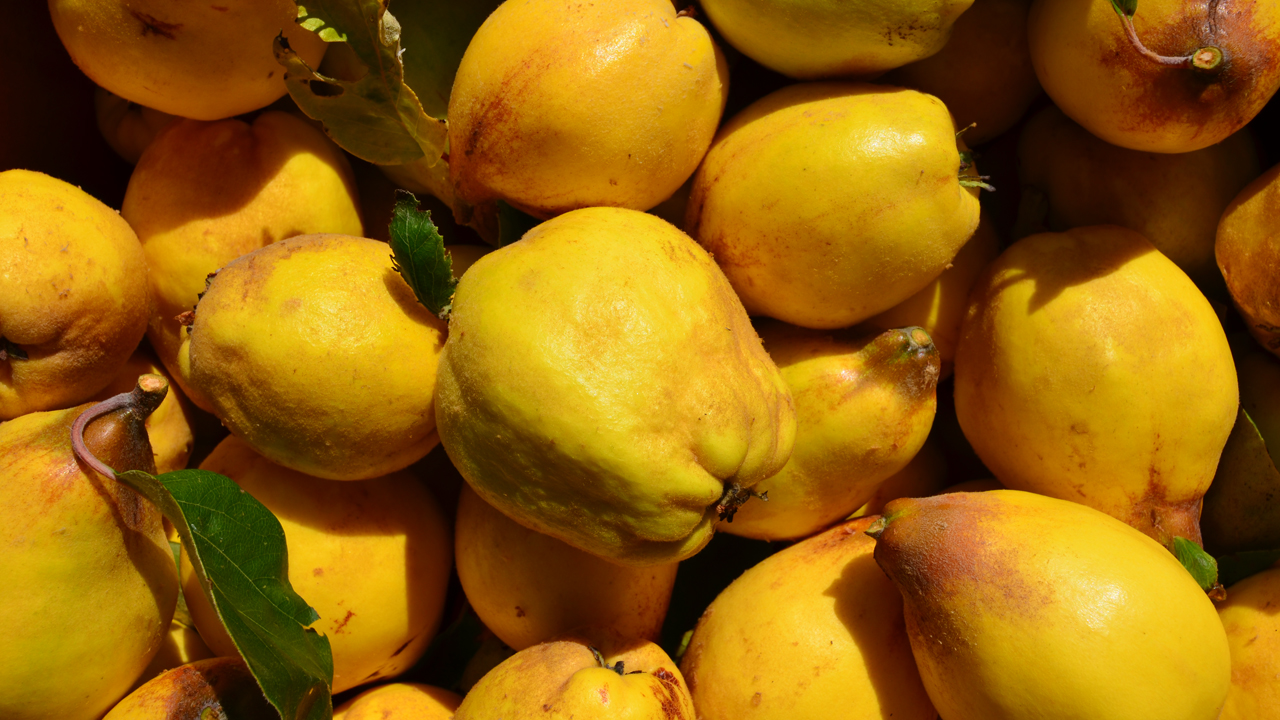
x,y
672,708
340,625
152,25
403,647
1162,518
1226,96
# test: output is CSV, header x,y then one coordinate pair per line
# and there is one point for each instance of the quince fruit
x,y
602,384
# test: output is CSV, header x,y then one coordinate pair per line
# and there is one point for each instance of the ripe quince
x,y
602,384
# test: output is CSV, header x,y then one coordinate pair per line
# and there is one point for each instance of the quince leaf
x,y
1125,8
238,551
1199,563
374,116
419,256
1242,505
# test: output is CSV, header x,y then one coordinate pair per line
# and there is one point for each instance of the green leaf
x,y
513,224
1242,506
1199,563
1238,566
419,256
1125,8
376,117
435,35
237,549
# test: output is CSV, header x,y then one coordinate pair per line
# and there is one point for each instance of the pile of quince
x,y
805,360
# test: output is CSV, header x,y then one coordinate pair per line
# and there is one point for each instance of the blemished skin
x,y
315,352
1253,630
826,203
205,193
1091,368
527,587
220,687
813,632
586,675
194,60
1019,605
96,546
1248,253
74,302
601,367
372,557
1093,72
864,406
558,106
813,39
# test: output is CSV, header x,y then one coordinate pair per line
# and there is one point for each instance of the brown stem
x,y
1206,58
144,398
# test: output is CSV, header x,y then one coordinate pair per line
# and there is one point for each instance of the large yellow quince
x,y
602,384
1092,369
1023,606
560,105
826,203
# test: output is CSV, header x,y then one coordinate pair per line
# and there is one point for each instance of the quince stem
x,y
1207,58
143,399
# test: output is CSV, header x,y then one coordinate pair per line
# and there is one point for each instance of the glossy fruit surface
x,y
1020,605
603,385
826,203
1090,368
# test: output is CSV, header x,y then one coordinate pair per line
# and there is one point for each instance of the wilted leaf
x,y
376,117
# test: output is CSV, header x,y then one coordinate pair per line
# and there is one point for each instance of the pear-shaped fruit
x,y
74,300
1175,201
315,352
1184,74
400,701
603,385
195,60
1092,369
558,106
220,687
205,193
372,557
590,675
1023,606
1248,253
826,203
813,632
812,39
527,587
864,406
1253,630
92,580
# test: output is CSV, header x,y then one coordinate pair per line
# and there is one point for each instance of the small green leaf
x,y
237,549
419,256
1125,8
1238,566
1199,563
376,117
513,224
